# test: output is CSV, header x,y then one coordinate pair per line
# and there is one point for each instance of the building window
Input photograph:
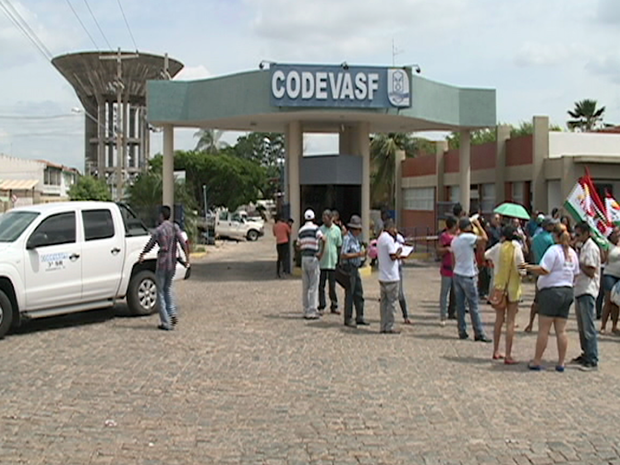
x,y
419,198
518,192
488,198
455,194
51,177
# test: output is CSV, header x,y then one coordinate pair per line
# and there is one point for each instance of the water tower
x,y
112,89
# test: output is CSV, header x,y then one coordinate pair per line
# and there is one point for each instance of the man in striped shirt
x,y
310,242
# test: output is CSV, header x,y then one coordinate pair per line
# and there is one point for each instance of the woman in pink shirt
x,y
443,248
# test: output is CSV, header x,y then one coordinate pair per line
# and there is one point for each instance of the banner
x,y
584,204
613,209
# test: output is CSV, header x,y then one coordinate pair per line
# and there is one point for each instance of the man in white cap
x,y
310,242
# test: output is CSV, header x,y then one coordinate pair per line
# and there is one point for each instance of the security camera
x,y
418,69
344,65
261,65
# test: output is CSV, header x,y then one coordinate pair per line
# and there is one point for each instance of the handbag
x,y
343,276
499,297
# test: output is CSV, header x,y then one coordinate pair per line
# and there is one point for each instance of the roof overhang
x,y
243,102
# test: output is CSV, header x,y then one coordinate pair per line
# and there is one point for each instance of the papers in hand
x,y
406,251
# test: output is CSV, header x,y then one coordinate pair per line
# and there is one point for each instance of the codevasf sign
x,y
335,86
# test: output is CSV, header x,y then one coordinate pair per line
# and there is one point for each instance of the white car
x,y
235,226
68,257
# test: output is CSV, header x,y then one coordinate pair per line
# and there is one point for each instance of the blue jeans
x,y
167,309
467,289
585,309
444,294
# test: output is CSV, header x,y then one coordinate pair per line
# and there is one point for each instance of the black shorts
x,y
555,302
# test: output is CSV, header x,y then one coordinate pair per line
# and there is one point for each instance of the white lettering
x,y
347,87
293,84
335,85
360,86
277,89
307,85
373,84
321,85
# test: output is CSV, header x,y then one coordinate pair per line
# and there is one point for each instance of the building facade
x,y
27,182
537,170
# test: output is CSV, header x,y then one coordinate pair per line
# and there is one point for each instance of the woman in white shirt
x,y
611,275
557,271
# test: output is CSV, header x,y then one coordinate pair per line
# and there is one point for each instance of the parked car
x,y
69,257
235,226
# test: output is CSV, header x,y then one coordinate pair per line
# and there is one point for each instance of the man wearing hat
x,y
351,256
466,275
311,243
541,242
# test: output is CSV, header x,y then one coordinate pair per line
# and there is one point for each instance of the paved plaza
x,y
245,380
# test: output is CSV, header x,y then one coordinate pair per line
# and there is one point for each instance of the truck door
x,y
103,252
53,263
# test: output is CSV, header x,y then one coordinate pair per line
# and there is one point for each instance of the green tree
x,y
145,196
265,148
586,116
383,148
526,128
90,188
209,140
480,136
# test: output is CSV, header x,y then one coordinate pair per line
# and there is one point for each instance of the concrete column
x,y
294,140
346,141
362,147
101,133
567,182
465,169
503,135
440,162
168,171
540,200
398,185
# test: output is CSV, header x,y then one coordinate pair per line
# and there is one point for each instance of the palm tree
x,y
209,140
383,148
585,115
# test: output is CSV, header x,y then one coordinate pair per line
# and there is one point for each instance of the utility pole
x,y
121,145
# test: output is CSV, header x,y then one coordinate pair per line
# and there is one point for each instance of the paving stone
x,y
245,380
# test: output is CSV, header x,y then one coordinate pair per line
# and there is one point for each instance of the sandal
x,y
510,361
498,357
534,367
560,368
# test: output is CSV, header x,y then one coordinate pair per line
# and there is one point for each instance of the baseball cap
x,y
309,214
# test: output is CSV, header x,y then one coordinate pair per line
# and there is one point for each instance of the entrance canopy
x,y
353,101
322,98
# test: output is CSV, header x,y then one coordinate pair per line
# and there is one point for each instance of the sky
x,y
540,56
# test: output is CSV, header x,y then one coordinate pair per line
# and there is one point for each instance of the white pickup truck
x,y
236,226
68,257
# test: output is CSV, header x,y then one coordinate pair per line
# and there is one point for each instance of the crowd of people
x,y
479,262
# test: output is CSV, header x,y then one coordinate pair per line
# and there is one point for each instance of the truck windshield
x,y
13,224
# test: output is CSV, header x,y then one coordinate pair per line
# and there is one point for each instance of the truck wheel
x,y
142,293
6,314
252,235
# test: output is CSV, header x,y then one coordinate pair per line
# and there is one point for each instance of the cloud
x,y
547,54
608,11
315,29
606,65
189,73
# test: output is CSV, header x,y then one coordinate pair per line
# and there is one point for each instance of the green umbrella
x,y
513,210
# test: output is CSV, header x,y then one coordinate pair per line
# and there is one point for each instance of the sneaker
x,y
391,331
164,327
463,336
588,366
578,360
560,368
442,323
350,324
362,323
311,317
483,338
